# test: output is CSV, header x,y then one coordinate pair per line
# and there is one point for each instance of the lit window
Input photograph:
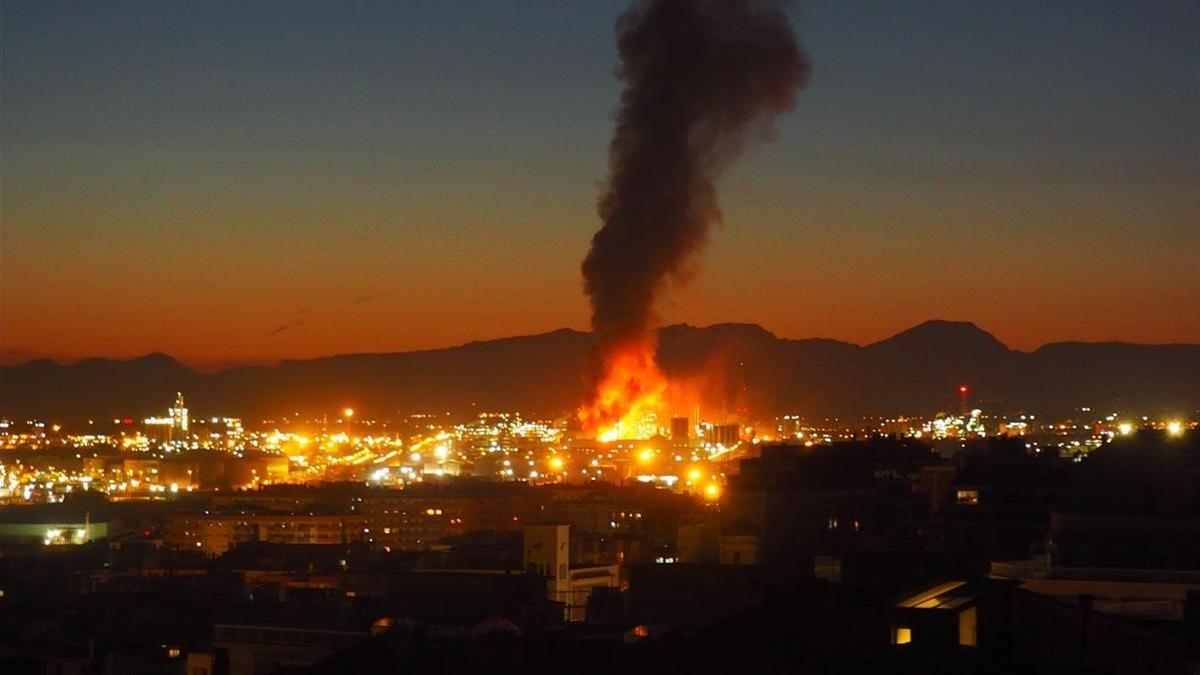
x,y
967,635
903,635
967,497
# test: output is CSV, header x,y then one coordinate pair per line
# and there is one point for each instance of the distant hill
x,y
733,366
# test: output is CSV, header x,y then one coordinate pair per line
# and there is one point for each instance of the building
x,y
739,544
173,427
216,533
792,503
414,518
725,435
1134,504
32,525
943,616
998,505
680,430
257,650
179,418
1061,635
1126,534
547,552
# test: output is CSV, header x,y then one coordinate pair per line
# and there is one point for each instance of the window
x,y
967,636
967,497
903,635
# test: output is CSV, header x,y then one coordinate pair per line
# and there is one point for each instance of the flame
x,y
631,391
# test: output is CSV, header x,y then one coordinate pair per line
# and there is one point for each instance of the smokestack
x,y
701,76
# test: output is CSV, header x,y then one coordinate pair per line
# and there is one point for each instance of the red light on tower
x,y
962,389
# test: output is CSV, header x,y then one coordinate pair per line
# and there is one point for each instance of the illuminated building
x,y
173,427
49,525
179,418
944,616
160,429
725,435
790,426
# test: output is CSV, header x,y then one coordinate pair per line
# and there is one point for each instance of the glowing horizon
x,y
186,179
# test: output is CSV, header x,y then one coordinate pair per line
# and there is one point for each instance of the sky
x,y
235,182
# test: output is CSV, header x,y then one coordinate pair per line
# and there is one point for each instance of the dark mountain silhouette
x,y
734,366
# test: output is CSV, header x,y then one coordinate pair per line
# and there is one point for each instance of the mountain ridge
x,y
734,366
67,362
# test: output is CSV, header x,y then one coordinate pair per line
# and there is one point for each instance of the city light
x,y
495,446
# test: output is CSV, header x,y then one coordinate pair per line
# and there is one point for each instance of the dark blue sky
x,y
191,177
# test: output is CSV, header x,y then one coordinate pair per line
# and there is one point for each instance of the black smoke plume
x,y
700,77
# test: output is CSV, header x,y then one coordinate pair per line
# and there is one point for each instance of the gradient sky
x,y
231,182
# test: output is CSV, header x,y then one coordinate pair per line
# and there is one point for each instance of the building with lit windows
x,y
216,533
173,427
945,615
179,418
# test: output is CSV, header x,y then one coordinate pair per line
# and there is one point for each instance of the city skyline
x,y
190,180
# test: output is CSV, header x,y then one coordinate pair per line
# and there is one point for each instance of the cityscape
x,y
342,511
597,338
157,457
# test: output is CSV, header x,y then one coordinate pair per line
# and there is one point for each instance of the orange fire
x,y
631,390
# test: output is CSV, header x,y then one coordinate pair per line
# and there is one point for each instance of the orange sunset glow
x,y
382,218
